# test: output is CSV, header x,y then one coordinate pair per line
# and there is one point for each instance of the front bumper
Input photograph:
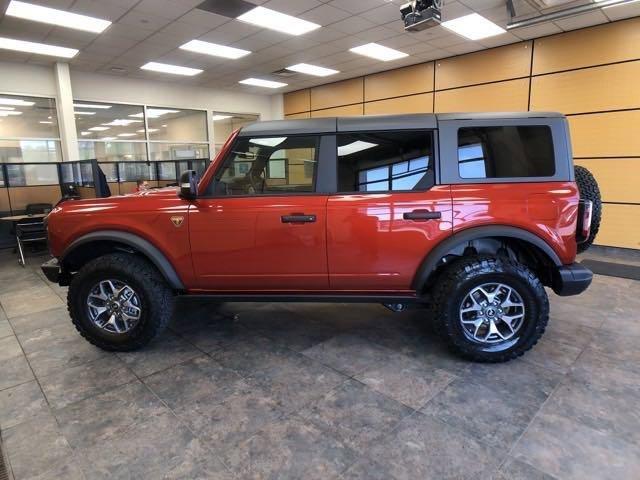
x,y
571,279
54,273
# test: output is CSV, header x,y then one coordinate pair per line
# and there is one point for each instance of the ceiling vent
x,y
284,73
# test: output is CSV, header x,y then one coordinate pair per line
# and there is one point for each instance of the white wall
x,y
28,79
90,86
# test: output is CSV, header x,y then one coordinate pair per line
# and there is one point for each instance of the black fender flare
x,y
430,263
146,248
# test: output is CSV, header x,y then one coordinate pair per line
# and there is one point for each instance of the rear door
x,y
261,226
388,213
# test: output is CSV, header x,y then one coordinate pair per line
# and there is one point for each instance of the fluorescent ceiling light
x,y
154,113
38,48
258,82
53,16
99,129
173,69
84,113
85,133
90,105
16,101
150,130
354,147
4,113
214,49
127,134
281,22
122,122
7,108
268,142
106,139
46,122
215,118
473,27
312,70
379,52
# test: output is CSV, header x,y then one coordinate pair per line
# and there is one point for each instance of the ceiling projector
x,y
421,14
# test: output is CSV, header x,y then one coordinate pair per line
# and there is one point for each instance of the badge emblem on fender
x,y
177,220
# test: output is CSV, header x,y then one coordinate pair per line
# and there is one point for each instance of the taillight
x,y
585,212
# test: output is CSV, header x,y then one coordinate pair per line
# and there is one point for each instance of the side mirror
x,y
188,186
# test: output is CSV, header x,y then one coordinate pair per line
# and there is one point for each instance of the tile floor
x,y
301,391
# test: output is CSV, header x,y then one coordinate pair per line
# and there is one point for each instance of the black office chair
x,y
31,230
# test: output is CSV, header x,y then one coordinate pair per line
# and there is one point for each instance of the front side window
x,y
503,152
385,161
269,165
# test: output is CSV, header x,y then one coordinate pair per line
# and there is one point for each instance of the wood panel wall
x,y
591,75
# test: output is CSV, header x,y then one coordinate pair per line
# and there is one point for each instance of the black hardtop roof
x,y
376,122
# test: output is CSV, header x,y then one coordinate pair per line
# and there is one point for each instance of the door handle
x,y
421,215
298,218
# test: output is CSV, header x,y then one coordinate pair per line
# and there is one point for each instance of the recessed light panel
x,y
52,16
379,52
312,70
258,82
473,27
214,49
37,48
83,113
173,69
16,101
215,118
280,22
355,147
91,105
5,113
98,129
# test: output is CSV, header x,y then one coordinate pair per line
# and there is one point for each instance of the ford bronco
x,y
468,215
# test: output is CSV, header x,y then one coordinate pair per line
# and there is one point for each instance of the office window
x,y
225,123
385,161
269,166
177,151
110,132
503,152
29,130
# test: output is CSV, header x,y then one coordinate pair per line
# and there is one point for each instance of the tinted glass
x,y
385,161
108,122
177,151
28,117
269,165
502,152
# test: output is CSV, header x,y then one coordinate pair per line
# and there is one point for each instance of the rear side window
x,y
502,152
385,161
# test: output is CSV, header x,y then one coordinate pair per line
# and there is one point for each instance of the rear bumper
x,y
571,279
54,273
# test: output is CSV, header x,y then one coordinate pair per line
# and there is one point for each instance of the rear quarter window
x,y
505,152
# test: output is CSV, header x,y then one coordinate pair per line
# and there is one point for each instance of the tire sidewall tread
x,y
155,295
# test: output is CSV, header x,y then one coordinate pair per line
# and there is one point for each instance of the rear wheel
x,y
119,302
589,190
490,309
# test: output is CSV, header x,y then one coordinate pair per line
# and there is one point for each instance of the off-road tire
x,y
155,295
588,187
468,272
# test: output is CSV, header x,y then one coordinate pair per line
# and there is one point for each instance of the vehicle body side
x,y
362,245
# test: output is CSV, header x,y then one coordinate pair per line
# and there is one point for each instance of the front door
x,y
261,226
387,214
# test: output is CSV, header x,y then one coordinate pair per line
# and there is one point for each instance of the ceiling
x,y
152,30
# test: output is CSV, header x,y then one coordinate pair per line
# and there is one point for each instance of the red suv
x,y
470,215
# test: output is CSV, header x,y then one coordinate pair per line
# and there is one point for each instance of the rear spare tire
x,y
588,187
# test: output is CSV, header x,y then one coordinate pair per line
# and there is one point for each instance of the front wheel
x,y
119,302
490,309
